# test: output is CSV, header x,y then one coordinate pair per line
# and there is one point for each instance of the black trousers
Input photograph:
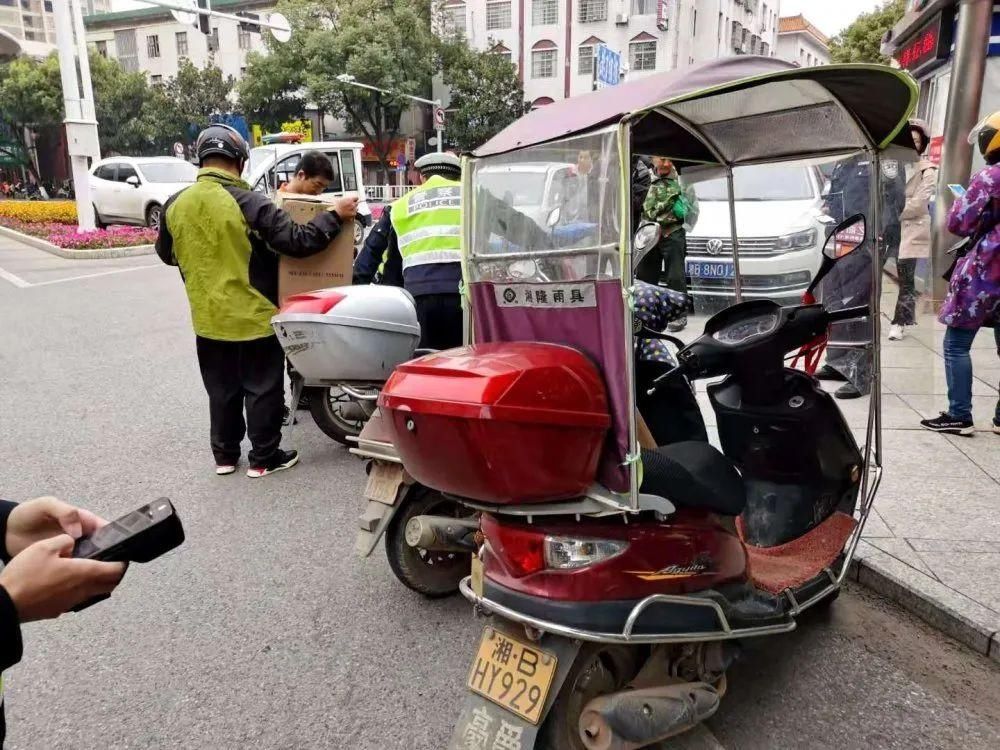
x,y
440,317
671,252
242,375
906,303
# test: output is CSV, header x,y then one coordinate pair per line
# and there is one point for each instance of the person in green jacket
x,y
226,239
666,204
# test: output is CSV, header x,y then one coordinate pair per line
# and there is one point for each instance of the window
x,y
336,184
29,21
102,48
152,46
593,10
586,64
348,171
213,42
127,50
47,5
642,55
644,7
244,38
243,72
454,19
543,63
156,80
765,49
124,172
181,37
105,172
498,14
544,12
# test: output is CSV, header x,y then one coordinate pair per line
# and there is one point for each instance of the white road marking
x,y
13,279
19,282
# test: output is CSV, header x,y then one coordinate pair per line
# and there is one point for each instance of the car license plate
x,y
701,269
384,482
512,674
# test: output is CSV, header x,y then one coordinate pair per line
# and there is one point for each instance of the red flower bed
x,y
67,236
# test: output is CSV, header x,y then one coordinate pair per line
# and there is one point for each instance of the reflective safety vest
x,y
428,226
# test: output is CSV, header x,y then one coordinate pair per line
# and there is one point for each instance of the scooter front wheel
x,y
431,573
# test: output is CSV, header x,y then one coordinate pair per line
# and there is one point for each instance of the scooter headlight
x,y
797,241
565,553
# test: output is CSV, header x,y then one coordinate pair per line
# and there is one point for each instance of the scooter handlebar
x,y
848,313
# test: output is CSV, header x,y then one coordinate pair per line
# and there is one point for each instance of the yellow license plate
x,y
512,674
384,482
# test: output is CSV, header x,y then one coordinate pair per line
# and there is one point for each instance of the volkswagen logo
x,y
714,247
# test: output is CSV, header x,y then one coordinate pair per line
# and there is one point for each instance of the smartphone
x,y
957,190
139,536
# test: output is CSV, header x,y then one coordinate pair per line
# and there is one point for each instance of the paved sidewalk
x,y
933,540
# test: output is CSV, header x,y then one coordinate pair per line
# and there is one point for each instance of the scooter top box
x,y
348,334
500,423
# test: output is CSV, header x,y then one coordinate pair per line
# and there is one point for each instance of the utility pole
x,y
965,94
78,102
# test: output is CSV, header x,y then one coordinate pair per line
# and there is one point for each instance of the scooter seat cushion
x,y
694,475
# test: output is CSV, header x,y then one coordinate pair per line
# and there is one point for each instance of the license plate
x,y
700,269
512,674
384,482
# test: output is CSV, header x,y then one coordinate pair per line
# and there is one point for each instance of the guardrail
x,y
386,193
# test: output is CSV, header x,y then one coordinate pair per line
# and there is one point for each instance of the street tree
x,y
271,93
186,103
861,42
486,94
30,99
121,101
383,43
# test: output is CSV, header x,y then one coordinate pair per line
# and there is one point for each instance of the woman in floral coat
x,y
973,300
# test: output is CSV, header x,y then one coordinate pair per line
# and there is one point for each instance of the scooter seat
x,y
694,475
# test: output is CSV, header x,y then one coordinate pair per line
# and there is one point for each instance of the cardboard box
x,y
331,267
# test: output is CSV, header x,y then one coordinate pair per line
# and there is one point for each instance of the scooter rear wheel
x,y
324,405
599,669
433,574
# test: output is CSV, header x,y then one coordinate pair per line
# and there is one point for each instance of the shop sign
x,y
928,46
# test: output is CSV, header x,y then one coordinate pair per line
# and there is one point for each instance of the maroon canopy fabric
x,y
877,98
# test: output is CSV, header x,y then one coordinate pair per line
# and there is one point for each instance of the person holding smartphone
x,y
41,579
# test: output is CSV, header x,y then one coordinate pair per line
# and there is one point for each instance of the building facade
x,y
802,43
32,20
552,42
151,41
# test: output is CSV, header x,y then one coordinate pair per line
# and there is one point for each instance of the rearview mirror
x,y
846,237
554,216
827,186
133,181
646,237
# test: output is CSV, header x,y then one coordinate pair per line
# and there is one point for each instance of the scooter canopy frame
x,y
709,120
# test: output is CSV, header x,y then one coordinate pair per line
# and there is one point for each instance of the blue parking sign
x,y
608,66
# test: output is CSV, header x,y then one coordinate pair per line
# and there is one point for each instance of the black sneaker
x,y
848,391
279,462
828,373
996,426
949,425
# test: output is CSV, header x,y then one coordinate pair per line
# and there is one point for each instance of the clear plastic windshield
x,y
548,213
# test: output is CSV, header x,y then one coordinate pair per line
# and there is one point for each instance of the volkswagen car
x,y
778,210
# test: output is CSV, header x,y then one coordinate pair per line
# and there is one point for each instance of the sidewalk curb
x,y
90,254
953,614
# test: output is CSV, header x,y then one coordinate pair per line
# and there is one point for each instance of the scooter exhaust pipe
x,y
441,534
633,719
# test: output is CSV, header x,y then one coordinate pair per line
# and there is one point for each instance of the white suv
x,y
780,234
128,190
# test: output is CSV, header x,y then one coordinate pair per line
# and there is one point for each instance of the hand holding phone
x,y
957,190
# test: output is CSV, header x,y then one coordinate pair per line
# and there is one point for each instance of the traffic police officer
x,y
421,235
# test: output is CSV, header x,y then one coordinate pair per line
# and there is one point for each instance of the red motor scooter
x,y
616,629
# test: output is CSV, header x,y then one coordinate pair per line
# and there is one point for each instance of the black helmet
x,y
222,140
